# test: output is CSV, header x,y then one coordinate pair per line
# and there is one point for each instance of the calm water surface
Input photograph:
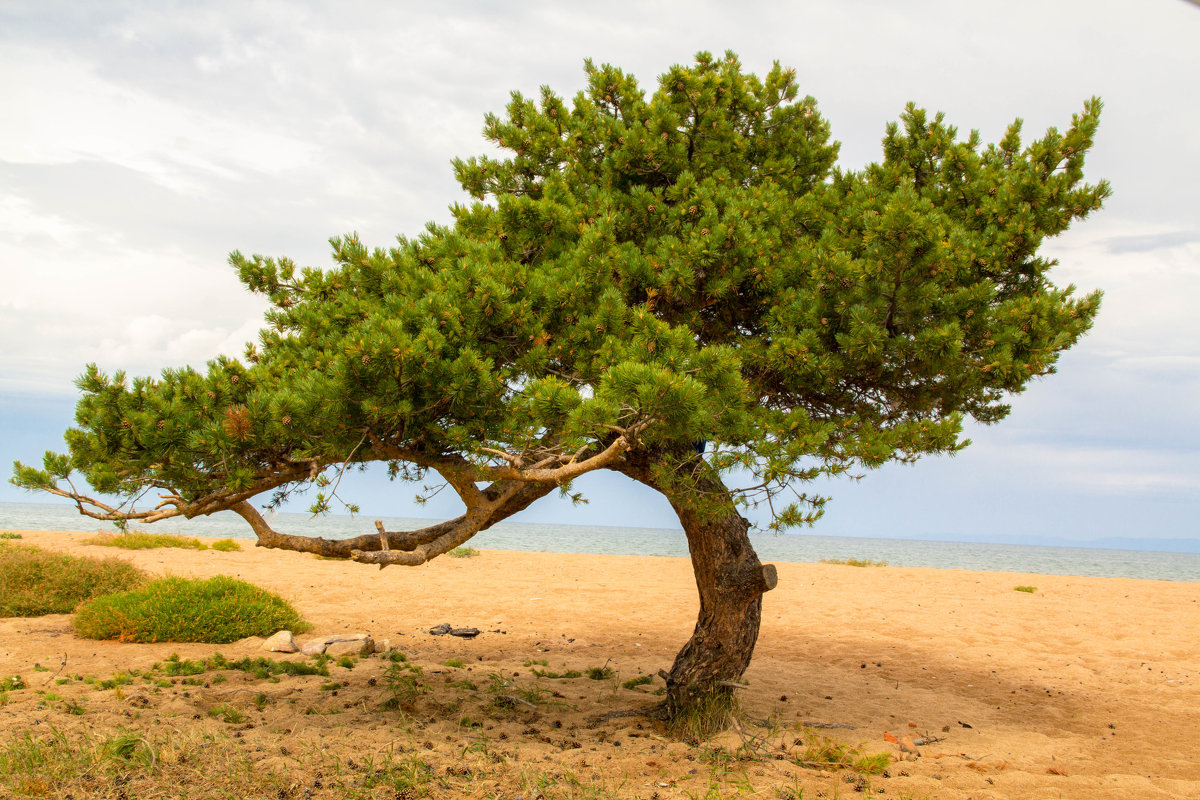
x,y
664,542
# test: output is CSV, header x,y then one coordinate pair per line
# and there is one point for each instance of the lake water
x,y
664,542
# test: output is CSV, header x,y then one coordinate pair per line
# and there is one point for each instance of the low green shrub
x,y
1026,589
854,562
217,610
10,535
140,540
34,582
463,552
226,545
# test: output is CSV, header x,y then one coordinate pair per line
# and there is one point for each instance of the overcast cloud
x,y
141,142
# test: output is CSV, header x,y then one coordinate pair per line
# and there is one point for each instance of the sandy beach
x,y
1084,688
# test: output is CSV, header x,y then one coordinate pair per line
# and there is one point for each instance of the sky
x,y
140,143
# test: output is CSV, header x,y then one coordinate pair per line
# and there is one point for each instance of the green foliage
x,y
34,582
140,540
228,714
823,752
677,265
707,713
854,562
463,552
569,674
260,667
226,546
129,749
175,666
118,679
10,535
218,610
1026,589
641,680
403,684
599,673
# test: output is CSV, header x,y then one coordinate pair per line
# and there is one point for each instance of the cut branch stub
x,y
770,577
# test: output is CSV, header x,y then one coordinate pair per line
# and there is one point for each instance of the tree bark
x,y
386,540
730,580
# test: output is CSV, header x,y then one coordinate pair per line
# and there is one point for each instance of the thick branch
x,y
407,548
574,467
462,474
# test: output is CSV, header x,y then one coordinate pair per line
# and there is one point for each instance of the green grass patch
x,y
260,667
633,683
455,662
404,687
707,714
228,714
463,552
825,753
34,582
567,675
10,535
119,679
854,562
1026,589
218,610
226,546
140,540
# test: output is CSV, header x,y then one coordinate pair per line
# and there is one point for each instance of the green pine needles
x,y
668,268
677,284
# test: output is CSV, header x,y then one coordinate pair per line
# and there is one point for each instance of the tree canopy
x,y
681,267
637,274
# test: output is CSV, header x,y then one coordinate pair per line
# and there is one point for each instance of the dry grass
x,y
34,582
388,728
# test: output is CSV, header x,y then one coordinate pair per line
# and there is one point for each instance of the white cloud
x,y
20,221
68,113
81,297
1149,294
1093,470
154,341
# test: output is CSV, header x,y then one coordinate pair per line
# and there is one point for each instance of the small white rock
x,y
351,647
281,642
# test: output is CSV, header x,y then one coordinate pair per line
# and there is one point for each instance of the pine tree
x,y
680,287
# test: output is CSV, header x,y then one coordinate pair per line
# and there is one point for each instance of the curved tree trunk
x,y
730,580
